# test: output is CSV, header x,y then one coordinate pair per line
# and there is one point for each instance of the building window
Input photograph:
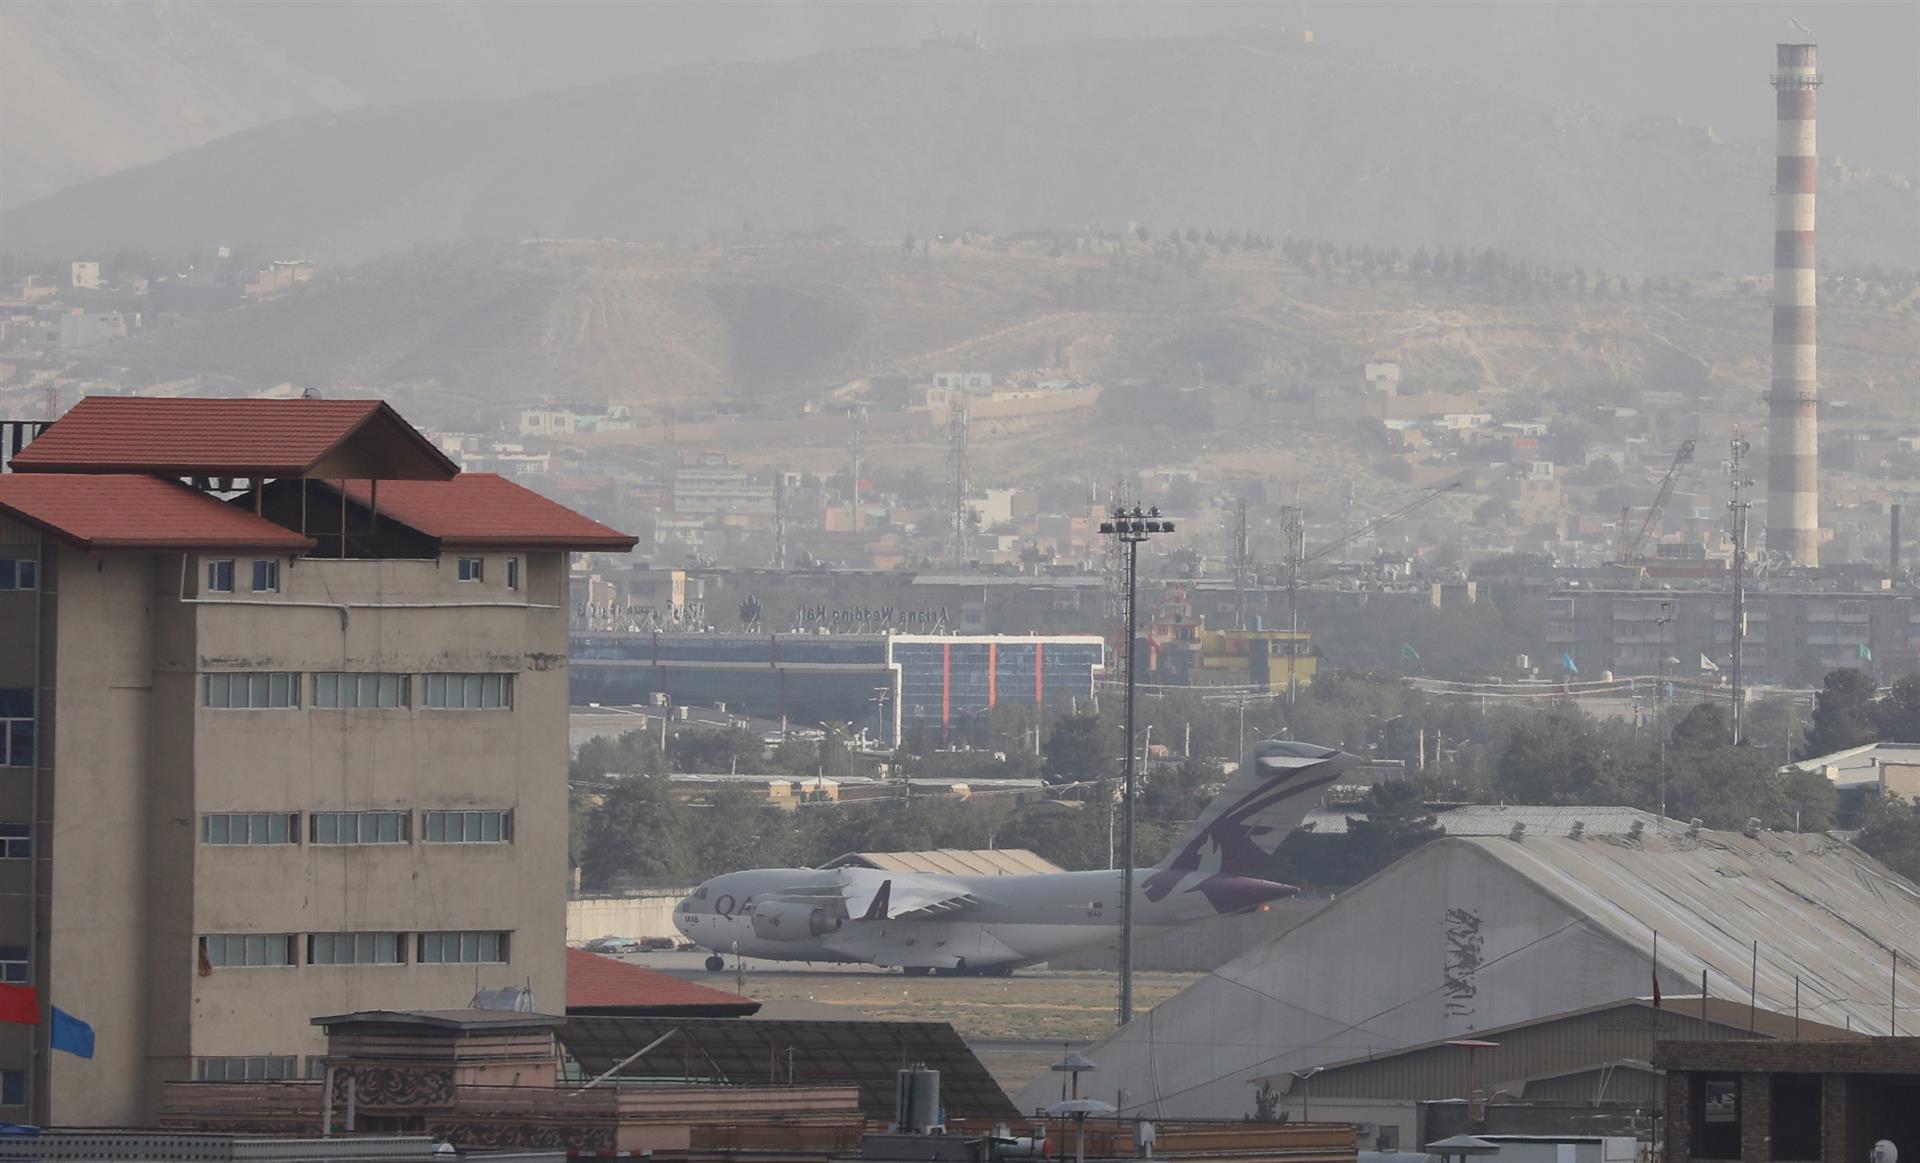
x,y
470,692
250,828
1715,1103
467,827
266,577
16,841
220,577
361,827
253,690
16,727
16,968
513,573
316,1067
353,949
462,948
472,568
20,573
349,689
247,950
13,1088
252,1068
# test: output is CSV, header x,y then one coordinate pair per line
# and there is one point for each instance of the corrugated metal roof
x,y
1858,765
1475,933
1820,910
115,511
1499,819
976,861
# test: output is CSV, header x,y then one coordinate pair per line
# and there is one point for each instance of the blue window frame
x,y
16,727
13,1088
17,573
266,576
220,577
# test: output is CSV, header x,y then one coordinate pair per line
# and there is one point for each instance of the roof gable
x,y
480,510
603,984
198,437
115,511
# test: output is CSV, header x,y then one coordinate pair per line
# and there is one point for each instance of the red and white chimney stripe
x,y
1793,432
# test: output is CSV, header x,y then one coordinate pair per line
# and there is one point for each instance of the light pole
x,y
1664,621
1130,529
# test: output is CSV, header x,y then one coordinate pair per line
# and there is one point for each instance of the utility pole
x,y
1129,529
780,520
1295,527
1241,562
959,483
859,449
1737,508
1660,704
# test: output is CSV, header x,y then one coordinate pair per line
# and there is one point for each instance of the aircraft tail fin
x,y
1277,784
877,909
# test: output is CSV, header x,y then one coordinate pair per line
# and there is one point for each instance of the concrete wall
x,y
139,759
645,914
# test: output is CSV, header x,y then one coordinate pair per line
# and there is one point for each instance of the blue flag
x,y
71,1034
1566,660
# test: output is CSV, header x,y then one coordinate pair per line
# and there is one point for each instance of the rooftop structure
x,y
1469,934
281,752
608,986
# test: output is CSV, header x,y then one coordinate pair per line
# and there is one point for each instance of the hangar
x,y
1472,933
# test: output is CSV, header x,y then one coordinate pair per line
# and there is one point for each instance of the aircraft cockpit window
x,y
700,893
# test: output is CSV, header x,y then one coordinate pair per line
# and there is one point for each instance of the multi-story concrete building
x,y
1793,636
285,740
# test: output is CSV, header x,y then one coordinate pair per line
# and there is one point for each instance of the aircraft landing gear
x,y
716,963
916,970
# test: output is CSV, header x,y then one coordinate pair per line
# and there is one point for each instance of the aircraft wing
x,y
871,895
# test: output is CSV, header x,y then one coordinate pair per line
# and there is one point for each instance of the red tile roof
x,y
480,510
603,984
191,436
101,511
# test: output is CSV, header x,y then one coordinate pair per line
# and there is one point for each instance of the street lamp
x,y
1130,529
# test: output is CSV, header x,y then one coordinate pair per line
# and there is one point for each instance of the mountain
x,y
693,327
1244,134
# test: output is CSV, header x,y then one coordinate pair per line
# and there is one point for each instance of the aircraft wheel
x,y
716,963
917,970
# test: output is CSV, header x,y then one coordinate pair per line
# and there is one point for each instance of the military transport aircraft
x,y
927,922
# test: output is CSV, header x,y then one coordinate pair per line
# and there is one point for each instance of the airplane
x,y
991,925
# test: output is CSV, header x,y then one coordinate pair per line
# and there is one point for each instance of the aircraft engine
x,y
790,921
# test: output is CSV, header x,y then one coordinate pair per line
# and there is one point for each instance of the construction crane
x,y
1634,552
1298,557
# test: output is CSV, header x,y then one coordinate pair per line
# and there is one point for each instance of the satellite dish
x,y
1885,1152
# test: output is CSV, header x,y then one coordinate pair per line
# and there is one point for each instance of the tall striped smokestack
x,y
1793,430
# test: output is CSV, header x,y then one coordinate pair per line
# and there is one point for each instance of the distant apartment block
x,y
564,419
1792,637
91,328
283,695
86,275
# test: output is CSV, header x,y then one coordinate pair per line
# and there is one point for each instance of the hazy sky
x,y
1706,62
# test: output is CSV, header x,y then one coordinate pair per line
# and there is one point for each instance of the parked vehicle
x,y
612,945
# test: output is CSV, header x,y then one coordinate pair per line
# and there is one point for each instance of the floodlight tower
x,y
1130,529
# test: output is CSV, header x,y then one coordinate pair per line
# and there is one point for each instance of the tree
x,y
1843,714
1892,836
1551,758
1811,798
1075,749
1702,728
735,749
631,753
1396,822
637,831
1897,715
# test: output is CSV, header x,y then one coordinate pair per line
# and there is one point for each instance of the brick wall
x,y
1863,1056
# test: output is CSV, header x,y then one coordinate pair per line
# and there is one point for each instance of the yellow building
x,y
1265,660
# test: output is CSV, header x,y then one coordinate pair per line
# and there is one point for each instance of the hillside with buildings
x,y
1261,132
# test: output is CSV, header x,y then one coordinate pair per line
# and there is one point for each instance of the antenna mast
x,y
1241,563
958,483
1737,509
